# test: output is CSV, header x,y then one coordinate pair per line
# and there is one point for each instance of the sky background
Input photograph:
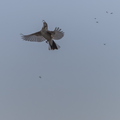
x,y
80,81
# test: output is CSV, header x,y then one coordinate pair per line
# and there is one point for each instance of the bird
x,y
45,34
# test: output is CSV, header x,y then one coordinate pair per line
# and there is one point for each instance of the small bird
x,y
45,34
96,21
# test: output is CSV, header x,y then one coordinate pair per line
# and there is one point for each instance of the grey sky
x,y
80,81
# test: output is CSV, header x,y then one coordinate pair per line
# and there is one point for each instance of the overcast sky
x,y
80,81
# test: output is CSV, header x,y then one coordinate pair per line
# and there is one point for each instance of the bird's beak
x,y
43,21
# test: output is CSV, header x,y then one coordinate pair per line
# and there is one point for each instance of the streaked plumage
x,y
45,34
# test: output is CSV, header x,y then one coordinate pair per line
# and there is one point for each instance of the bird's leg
x,y
47,42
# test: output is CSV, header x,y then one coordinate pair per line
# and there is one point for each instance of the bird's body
x,y
45,34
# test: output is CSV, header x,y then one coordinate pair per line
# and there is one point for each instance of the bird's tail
x,y
53,46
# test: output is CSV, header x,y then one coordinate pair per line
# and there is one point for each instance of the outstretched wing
x,y
35,37
57,33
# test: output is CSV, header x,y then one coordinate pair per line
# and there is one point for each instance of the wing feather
x,y
57,33
35,37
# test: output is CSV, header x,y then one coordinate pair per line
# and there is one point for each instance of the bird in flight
x,y
45,34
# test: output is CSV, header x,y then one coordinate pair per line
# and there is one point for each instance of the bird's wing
x,y
57,33
35,37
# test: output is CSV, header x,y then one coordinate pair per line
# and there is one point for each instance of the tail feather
x,y
53,46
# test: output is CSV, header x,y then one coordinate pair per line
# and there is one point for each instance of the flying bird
x,y
45,34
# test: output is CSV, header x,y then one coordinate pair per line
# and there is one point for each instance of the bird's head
x,y
45,26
